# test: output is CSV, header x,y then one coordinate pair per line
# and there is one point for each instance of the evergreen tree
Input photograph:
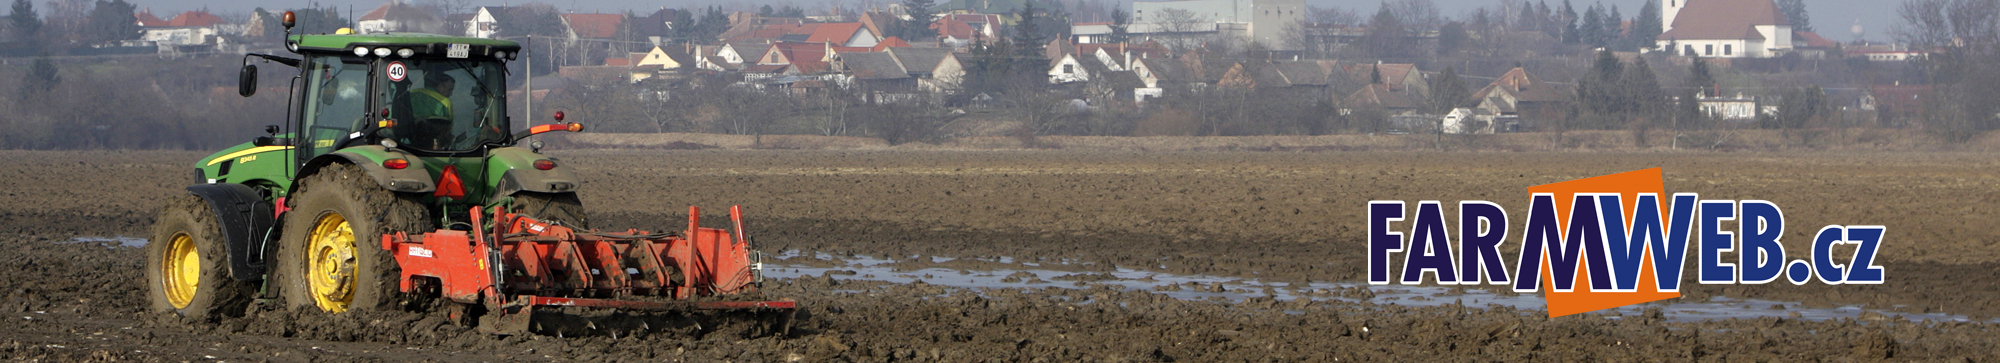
x,y
919,24
1028,41
1120,21
1700,79
1545,20
1592,31
1646,29
1567,21
1642,88
1448,92
1614,31
112,21
1386,36
1795,11
23,25
1451,37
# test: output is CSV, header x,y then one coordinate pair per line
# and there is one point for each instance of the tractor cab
x,y
427,94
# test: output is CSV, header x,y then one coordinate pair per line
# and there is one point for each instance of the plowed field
x,y
1283,220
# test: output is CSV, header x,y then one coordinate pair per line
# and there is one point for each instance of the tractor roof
x,y
344,42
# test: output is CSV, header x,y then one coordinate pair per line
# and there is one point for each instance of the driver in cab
x,y
434,101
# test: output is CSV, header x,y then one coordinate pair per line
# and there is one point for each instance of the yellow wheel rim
x,y
330,259
182,273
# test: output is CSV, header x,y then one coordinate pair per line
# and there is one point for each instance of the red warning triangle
x,y
448,184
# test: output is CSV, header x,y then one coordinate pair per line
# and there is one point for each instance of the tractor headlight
x,y
405,52
500,55
293,46
360,51
382,52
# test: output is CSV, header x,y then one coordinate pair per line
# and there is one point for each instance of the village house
x,y
1400,76
1517,100
960,30
398,16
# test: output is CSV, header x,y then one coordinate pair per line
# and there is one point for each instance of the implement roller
x,y
522,264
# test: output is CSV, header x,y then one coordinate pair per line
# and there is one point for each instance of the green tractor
x,y
386,135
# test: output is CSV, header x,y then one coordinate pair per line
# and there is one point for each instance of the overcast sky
x,y
1832,18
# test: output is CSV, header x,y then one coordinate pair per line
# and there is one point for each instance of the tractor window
x,y
336,102
445,105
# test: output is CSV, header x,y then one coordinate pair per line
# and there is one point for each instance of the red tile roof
x,y
147,19
1392,73
1813,40
1525,87
890,42
1724,19
808,57
1385,96
195,18
594,25
837,33
959,25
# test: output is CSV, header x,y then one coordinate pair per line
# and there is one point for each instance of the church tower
x,y
1668,11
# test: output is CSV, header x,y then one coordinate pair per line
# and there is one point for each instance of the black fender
x,y
518,180
246,220
516,175
407,180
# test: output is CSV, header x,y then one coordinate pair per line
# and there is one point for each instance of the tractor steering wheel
x,y
438,130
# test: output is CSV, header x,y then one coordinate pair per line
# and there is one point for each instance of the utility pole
x,y
529,94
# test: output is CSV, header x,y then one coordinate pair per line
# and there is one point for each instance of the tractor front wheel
x,y
331,255
187,266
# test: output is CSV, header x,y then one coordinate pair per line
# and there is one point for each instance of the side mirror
x,y
246,82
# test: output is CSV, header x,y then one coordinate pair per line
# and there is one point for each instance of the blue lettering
x,y
1864,270
1715,241
1762,258
1542,241
1430,248
1585,230
1479,251
1829,272
1382,240
1670,255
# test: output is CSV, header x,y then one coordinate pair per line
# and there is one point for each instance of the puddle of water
x,y
1201,288
120,240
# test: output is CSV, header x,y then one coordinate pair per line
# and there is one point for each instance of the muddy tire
x,y
187,264
333,238
563,208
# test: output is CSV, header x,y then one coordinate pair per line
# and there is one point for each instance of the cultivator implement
x,y
522,264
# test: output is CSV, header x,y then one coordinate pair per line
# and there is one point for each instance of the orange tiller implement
x,y
524,263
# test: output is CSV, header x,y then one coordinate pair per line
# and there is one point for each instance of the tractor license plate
x,y
458,51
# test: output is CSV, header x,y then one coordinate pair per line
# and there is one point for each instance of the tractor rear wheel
x,y
187,264
563,208
331,256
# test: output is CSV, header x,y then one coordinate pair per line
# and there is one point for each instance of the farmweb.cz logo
x,y
1608,234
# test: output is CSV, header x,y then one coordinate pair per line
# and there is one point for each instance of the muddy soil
x,y
1283,217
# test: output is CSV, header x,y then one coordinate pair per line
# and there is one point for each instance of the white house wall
x,y
1069,70
1715,48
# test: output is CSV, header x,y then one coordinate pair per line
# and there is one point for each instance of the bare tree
x,y
1179,27
1419,15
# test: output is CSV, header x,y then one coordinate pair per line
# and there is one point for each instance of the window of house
x,y
1727,49
1069,68
1708,49
1690,50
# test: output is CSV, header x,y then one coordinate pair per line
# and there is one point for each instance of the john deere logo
x,y
1608,234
